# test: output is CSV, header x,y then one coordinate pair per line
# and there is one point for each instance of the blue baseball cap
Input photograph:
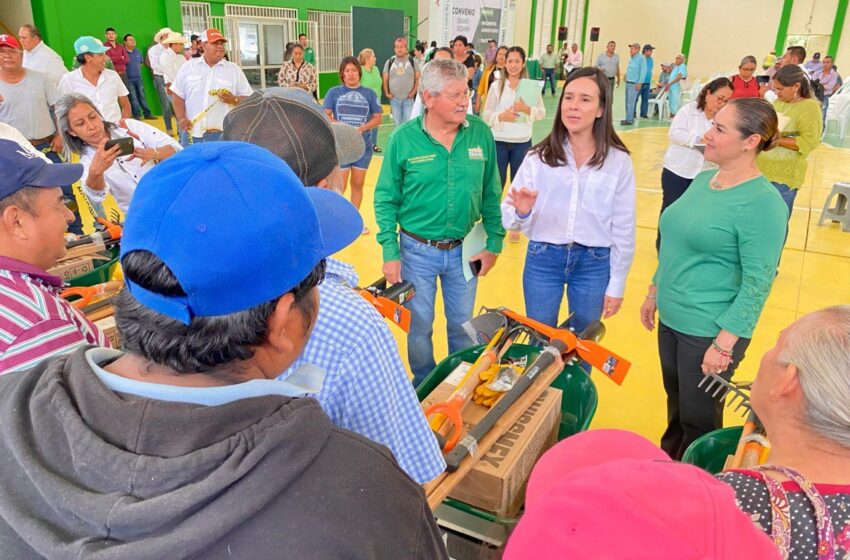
x,y
89,45
22,168
235,226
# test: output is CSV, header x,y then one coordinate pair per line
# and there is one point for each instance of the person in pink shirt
x,y
117,54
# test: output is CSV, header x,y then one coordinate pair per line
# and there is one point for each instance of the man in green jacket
x,y
439,177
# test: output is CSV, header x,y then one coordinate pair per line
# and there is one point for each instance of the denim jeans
x,y
373,136
788,195
401,109
510,153
644,100
137,98
548,76
422,264
207,137
159,82
631,101
584,270
67,190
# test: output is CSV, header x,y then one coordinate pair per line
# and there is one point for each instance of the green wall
x,y
62,21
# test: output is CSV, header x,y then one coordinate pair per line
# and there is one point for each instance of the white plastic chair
x,y
660,103
839,113
692,93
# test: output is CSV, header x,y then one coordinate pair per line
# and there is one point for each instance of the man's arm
x,y
491,212
126,110
47,339
385,83
388,202
179,105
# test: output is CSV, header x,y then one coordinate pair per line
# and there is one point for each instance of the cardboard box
x,y
109,330
71,268
497,482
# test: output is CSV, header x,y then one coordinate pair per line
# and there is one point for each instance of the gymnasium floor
x,y
813,273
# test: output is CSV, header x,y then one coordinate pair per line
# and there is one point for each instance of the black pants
x,y
672,187
691,412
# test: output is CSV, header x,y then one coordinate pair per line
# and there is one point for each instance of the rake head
x,y
719,388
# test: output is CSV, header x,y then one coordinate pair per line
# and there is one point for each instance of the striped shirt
x,y
35,323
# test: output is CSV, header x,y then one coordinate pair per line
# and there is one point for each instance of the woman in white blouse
x,y
574,197
85,133
683,159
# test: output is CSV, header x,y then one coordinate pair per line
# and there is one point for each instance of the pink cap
x,y
613,494
9,41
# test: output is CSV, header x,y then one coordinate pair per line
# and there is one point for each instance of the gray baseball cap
x,y
291,124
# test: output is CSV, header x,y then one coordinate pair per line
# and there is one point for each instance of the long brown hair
x,y
503,78
551,149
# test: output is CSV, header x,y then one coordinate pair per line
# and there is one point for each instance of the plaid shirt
x,y
366,388
35,323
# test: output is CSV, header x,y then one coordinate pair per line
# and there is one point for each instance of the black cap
x,y
648,47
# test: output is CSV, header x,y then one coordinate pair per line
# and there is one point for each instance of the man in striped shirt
x,y
35,323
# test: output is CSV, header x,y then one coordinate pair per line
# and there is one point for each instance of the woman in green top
x,y
800,112
715,274
371,79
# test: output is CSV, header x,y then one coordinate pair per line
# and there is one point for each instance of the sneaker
x,y
377,149
627,122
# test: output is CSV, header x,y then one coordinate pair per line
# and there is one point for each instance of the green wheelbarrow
x,y
101,273
578,405
709,451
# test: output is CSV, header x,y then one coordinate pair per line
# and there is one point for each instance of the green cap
x,y
88,45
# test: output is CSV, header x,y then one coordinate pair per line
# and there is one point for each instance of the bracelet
x,y
155,156
523,216
721,351
650,296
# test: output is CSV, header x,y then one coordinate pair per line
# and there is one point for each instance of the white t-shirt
x,y
154,53
516,132
170,63
688,127
194,82
26,105
124,174
45,60
105,95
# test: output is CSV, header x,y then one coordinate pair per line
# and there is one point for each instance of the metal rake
x,y
719,388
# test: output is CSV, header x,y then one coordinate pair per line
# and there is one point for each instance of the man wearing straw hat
x,y
154,53
205,90
172,59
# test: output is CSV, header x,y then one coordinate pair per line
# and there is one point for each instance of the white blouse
x,y
689,126
517,132
592,206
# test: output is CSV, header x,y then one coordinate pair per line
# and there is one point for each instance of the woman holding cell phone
x,y
574,198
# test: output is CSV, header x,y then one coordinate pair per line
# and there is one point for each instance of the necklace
x,y
714,183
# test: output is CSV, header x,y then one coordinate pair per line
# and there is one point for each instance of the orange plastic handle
x,y
86,294
452,411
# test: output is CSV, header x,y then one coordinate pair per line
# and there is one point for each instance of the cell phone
x,y
126,145
475,266
762,79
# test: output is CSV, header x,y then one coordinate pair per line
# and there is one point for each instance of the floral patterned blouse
x,y
290,75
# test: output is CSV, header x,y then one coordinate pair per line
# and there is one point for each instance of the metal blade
x,y
481,329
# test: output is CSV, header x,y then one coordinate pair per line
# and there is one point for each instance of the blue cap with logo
x,y
234,225
89,45
23,168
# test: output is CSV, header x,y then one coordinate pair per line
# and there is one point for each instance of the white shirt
x,y
8,132
196,80
688,127
594,207
124,174
517,132
105,95
45,60
170,63
154,53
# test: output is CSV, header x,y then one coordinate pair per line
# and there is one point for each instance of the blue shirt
x,y
647,79
366,388
134,67
636,69
352,106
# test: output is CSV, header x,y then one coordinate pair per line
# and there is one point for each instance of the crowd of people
x,y
213,367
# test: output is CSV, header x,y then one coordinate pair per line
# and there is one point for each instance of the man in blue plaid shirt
x,y
366,388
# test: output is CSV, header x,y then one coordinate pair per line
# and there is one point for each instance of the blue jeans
x,y
401,109
788,195
422,264
548,76
631,101
372,137
510,153
644,100
159,82
67,191
207,137
584,270
137,98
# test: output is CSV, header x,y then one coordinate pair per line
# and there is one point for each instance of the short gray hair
x,y
34,31
64,104
439,72
821,352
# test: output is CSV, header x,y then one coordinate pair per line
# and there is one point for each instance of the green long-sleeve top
x,y
805,124
718,258
435,193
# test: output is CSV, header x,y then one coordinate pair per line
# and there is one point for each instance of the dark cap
x,y
648,47
22,168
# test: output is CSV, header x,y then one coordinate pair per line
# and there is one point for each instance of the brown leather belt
x,y
38,141
441,244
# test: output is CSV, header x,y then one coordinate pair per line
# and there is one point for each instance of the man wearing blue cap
x,y
185,445
35,322
97,82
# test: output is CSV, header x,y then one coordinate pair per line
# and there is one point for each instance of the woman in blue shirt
x,y
677,74
358,106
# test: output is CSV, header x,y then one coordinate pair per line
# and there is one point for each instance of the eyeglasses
x,y
455,97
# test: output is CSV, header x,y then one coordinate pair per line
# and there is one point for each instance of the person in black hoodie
x,y
185,445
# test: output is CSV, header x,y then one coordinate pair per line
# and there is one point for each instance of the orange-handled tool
x,y
88,294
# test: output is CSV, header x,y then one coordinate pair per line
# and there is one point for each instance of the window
x,y
334,38
195,17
